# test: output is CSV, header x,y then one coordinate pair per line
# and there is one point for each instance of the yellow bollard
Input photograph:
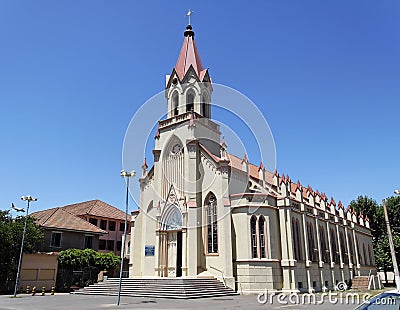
x,y
33,291
43,290
21,289
28,288
52,290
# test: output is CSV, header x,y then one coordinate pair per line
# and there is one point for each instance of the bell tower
x,y
188,88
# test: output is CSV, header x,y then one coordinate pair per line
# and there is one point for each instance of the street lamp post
x,y
392,251
28,199
126,175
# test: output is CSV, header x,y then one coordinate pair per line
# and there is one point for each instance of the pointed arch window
x,y
296,239
311,243
335,253
324,248
212,225
261,227
258,236
175,103
361,259
345,255
171,218
253,228
371,262
205,105
364,262
351,250
190,101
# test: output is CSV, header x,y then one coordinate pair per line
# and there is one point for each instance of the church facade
x,y
205,212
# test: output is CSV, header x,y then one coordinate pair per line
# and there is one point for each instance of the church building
x,y
205,212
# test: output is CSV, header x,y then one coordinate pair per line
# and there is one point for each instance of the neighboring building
x,y
90,224
195,218
107,218
64,230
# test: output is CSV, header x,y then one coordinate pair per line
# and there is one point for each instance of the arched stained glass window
x,y
212,224
253,228
261,228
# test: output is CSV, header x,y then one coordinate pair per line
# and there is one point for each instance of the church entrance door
x,y
170,255
179,254
174,254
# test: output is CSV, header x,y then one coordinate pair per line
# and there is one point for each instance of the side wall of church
x,y
255,272
215,181
143,233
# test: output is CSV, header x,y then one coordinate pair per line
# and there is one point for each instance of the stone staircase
x,y
177,288
360,283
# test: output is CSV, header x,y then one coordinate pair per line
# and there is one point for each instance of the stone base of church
x,y
255,276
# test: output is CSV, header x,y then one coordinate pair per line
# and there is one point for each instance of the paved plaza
x,y
85,302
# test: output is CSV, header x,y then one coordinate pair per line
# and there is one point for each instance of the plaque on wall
x,y
149,250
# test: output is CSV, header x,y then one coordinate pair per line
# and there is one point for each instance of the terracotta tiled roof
x,y
253,170
58,218
215,158
236,163
268,177
96,208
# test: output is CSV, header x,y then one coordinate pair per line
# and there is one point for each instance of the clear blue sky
x,y
326,75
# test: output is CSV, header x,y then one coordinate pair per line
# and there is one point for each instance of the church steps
x,y
160,288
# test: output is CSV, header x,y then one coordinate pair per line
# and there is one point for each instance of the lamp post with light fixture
x,y
126,175
391,244
28,198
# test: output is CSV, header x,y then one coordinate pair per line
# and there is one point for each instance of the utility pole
x,y
392,251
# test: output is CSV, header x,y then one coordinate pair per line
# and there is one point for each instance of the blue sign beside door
x,y
149,250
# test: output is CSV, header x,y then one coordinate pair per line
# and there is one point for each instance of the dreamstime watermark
x,y
339,296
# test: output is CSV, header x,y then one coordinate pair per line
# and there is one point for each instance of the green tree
x,y
88,262
11,230
383,256
368,206
107,261
374,211
393,209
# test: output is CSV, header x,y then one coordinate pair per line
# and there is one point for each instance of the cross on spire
x,y
189,12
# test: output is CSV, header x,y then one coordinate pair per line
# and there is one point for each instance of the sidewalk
x,y
85,302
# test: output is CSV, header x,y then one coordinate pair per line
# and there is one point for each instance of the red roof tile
x,y
236,163
58,218
215,158
96,208
282,179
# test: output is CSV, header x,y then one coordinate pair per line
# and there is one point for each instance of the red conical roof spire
x,y
189,56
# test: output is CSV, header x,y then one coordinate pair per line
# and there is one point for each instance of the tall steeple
x,y
189,56
188,87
